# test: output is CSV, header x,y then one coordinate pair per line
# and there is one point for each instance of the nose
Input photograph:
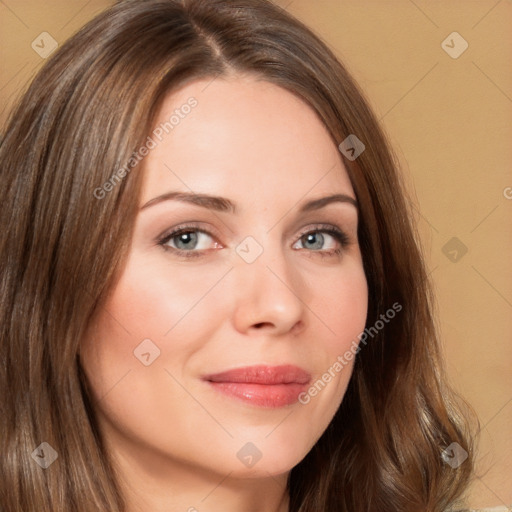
x,y
268,295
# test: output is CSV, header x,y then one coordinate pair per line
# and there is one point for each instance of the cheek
x,y
152,303
152,300
149,311
342,305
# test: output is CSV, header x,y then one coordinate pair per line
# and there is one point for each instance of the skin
x,y
174,438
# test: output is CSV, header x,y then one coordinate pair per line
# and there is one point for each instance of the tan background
x,y
449,120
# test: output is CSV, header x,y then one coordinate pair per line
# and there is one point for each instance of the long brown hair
x,y
83,117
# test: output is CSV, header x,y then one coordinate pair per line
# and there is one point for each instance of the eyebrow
x,y
222,204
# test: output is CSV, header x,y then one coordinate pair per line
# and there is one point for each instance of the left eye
x,y
316,240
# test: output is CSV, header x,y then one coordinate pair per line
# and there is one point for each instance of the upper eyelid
x,y
186,226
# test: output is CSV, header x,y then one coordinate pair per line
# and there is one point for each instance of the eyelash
x,y
340,236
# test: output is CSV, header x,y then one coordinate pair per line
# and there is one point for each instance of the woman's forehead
x,y
241,135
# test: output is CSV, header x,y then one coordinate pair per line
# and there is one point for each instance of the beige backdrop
x,y
447,110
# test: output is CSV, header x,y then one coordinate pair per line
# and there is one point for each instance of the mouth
x,y
261,385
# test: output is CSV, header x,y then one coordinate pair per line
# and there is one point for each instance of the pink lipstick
x,y
261,385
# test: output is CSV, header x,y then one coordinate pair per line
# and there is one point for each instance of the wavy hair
x,y
81,119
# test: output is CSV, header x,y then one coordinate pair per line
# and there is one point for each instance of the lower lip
x,y
263,395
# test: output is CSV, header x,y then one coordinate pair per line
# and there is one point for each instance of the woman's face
x,y
258,279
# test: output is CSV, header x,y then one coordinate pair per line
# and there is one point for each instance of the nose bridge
x,y
268,287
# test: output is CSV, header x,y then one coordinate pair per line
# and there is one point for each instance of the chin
x,y
274,461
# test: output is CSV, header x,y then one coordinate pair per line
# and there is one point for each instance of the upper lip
x,y
263,374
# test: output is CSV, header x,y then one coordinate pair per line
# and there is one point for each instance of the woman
x,y
170,340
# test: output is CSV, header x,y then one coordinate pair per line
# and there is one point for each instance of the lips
x,y
261,385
